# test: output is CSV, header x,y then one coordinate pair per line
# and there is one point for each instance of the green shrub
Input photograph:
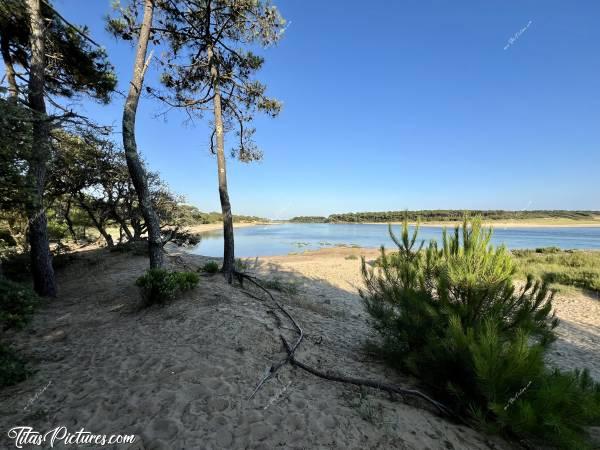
x,y
135,247
57,231
17,304
241,265
160,285
578,268
17,266
12,367
211,267
182,238
451,315
547,250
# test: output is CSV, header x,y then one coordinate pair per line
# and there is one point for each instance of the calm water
x,y
282,239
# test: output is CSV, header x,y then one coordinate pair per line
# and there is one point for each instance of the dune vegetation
x,y
452,316
561,268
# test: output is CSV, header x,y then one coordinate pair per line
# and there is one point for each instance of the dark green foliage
x,y
204,58
12,367
211,267
6,238
446,215
451,316
309,219
17,304
57,231
15,143
183,238
16,266
74,65
160,285
190,215
548,250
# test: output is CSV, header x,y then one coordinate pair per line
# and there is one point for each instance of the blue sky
x,y
391,105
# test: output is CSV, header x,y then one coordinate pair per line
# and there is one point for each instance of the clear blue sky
x,y
400,104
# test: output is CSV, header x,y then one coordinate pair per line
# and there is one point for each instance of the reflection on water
x,y
281,239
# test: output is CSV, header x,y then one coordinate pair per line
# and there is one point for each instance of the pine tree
x,y
57,60
451,315
205,70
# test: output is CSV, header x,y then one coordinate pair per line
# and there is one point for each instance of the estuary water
x,y
282,239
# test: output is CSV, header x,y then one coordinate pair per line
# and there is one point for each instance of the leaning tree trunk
x,y
136,169
41,260
99,224
228,243
67,216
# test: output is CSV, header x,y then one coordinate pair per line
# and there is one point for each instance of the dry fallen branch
x,y
390,388
368,383
275,367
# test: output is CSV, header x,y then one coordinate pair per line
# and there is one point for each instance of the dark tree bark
x,y
41,260
67,216
228,241
134,164
99,224
123,228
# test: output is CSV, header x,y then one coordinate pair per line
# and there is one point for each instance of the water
x,y
281,239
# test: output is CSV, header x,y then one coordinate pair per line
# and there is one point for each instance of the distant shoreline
x,y
541,223
206,227
551,223
556,223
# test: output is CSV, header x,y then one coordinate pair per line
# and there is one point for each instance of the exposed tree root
x,y
291,349
275,367
364,382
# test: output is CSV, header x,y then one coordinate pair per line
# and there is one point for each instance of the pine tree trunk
x,y
228,241
136,169
44,282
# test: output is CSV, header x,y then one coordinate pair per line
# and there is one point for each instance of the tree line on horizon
x,y
445,215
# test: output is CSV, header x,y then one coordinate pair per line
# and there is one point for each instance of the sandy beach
x,y
180,376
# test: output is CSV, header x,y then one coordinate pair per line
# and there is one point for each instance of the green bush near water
x,y
578,268
451,315
160,285
211,267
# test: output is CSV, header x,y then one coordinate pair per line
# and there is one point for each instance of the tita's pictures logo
x,y
517,35
28,436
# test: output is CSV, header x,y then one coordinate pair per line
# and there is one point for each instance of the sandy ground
x,y
179,376
579,313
